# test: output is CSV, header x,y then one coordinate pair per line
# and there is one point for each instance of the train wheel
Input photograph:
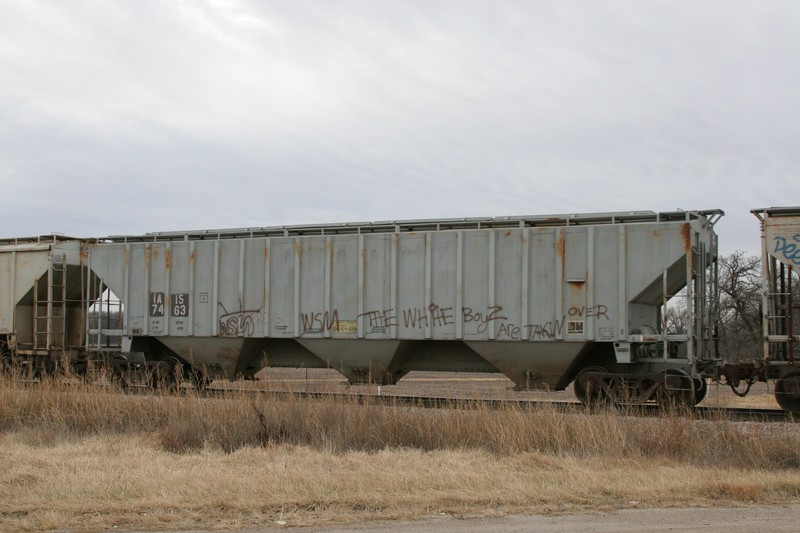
x,y
199,379
678,389
168,374
6,365
700,390
787,391
615,391
588,389
118,370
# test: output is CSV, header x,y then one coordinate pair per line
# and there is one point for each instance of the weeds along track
x,y
49,413
85,456
433,402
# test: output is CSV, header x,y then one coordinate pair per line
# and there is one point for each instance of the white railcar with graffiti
x,y
780,259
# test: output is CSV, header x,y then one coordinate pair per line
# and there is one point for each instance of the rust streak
x,y
331,258
576,286
686,235
167,258
560,250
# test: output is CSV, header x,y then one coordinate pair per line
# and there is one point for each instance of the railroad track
x,y
749,414
752,414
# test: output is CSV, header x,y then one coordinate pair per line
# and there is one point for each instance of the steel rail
x,y
748,414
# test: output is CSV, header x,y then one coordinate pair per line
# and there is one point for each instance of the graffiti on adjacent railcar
x,y
787,249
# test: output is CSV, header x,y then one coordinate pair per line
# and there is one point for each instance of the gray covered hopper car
x,y
538,299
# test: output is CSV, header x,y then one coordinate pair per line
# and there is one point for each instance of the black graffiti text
x,y
597,311
434,315
320,322
380,319
491,314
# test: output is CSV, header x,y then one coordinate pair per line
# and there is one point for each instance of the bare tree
x,y
739,308
737,313
677,316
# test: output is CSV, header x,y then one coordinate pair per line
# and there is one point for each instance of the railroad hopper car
x,y
538,299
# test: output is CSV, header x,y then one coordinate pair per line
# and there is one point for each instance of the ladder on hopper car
x,y
50,308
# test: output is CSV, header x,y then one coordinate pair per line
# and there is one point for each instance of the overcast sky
x,y
134,116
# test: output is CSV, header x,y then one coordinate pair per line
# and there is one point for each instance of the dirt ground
x,y
709,520
714,520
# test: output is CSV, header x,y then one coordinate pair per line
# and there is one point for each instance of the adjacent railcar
x,y
44,301
539,299
780,258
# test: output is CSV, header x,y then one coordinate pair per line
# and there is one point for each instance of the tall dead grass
x,y
91,458
51,413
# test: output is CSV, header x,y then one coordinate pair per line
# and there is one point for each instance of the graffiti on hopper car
x,y
437,316
597,311
532,332
237,323
320,322
434,316
553,328
378,321
483,320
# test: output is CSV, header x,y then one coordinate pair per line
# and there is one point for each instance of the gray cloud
x,y
142,116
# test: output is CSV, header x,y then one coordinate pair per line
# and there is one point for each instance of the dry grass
x,y
92,459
